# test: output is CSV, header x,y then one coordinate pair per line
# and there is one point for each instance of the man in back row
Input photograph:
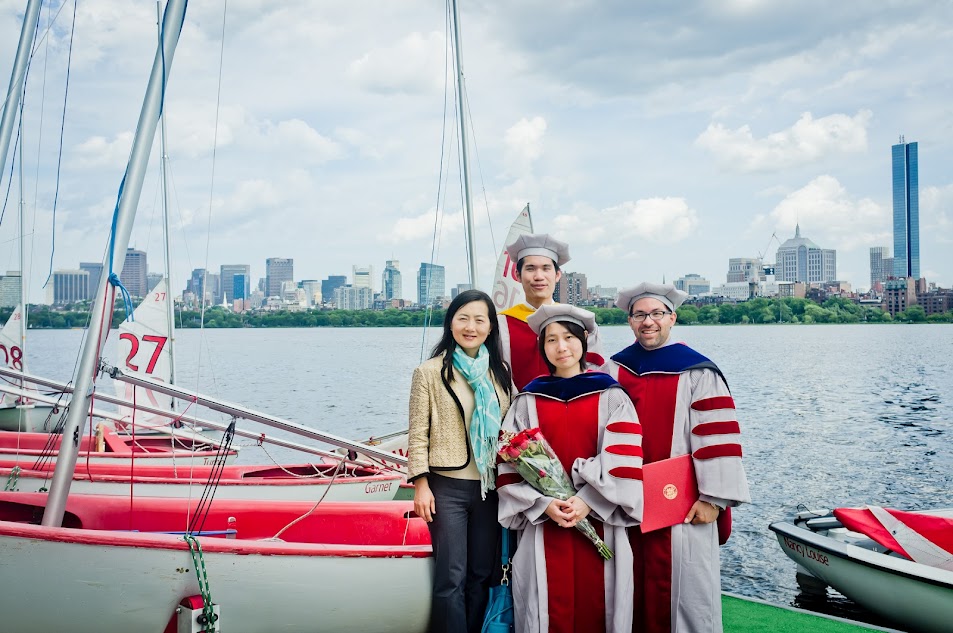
x,y
684,407
538,258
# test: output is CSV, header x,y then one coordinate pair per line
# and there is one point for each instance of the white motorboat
x,y
879,574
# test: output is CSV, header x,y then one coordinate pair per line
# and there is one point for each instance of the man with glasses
x,y
684,407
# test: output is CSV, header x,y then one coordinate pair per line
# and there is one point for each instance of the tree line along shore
x,y
755,311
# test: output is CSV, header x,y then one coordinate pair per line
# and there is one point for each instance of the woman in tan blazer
x,y
457,402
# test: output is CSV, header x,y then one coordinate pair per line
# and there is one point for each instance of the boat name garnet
x,y
806,552
383,486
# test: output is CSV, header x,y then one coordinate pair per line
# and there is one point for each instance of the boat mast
x,y
164,157
12,101
125,216
11,107
461,109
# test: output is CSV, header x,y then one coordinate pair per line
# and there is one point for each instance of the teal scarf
x,y
487,418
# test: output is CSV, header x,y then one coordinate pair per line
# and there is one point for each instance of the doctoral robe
x,y
684,406
560,582
520,347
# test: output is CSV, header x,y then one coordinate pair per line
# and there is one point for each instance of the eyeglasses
x,y
657,315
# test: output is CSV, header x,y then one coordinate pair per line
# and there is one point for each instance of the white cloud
x,y
524,144
808,140
413,65
936,209
657,220
827,213
97,151
422,226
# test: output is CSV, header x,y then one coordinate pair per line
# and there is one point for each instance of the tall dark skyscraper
x,y
906,211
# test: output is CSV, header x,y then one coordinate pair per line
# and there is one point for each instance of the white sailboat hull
x,y
106,588
358,577
30,418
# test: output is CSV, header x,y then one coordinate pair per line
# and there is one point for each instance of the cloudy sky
x,y
658,138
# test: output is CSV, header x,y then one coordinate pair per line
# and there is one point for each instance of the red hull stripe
x,y
717,428
625,449
718,450
505,479
626,472
710,404
625,427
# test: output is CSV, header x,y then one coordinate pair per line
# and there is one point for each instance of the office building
x,y
213,288
572,289
240,287
228,273
95,270
312,291
277,271
196,286
152,280
430,283
745,269
879,256
801,260
390,281
134,271
899,294
348,297
603,292
458,289
693,284
906,210
329,285
289,292
10,289
70,286
363,277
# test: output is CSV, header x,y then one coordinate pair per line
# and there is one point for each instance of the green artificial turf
x,y
746,616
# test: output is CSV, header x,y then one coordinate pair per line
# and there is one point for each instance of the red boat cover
x,y
936,529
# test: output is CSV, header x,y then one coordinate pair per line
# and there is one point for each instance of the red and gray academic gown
x,y
684,405
519,346
560,583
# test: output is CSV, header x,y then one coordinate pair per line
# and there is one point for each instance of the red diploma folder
x,y
670,491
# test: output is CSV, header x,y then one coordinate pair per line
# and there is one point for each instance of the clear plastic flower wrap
x,y
535,460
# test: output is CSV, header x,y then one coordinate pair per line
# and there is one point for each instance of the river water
x,y
831,415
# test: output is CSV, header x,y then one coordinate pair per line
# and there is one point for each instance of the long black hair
x,y
576,330
498,368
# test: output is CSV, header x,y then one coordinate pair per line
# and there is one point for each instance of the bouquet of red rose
x,y
536,461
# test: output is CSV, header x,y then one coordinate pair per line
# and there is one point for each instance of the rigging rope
x,y
6,100
327,489
211,197
59,159
113,277
198,561
12,479
214,477
428,312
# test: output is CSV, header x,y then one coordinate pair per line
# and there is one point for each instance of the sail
x,y
145,350
11,352
507,291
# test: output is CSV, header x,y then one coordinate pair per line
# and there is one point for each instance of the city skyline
x,y
680,137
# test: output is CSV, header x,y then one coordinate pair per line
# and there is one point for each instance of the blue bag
x,y
499,609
